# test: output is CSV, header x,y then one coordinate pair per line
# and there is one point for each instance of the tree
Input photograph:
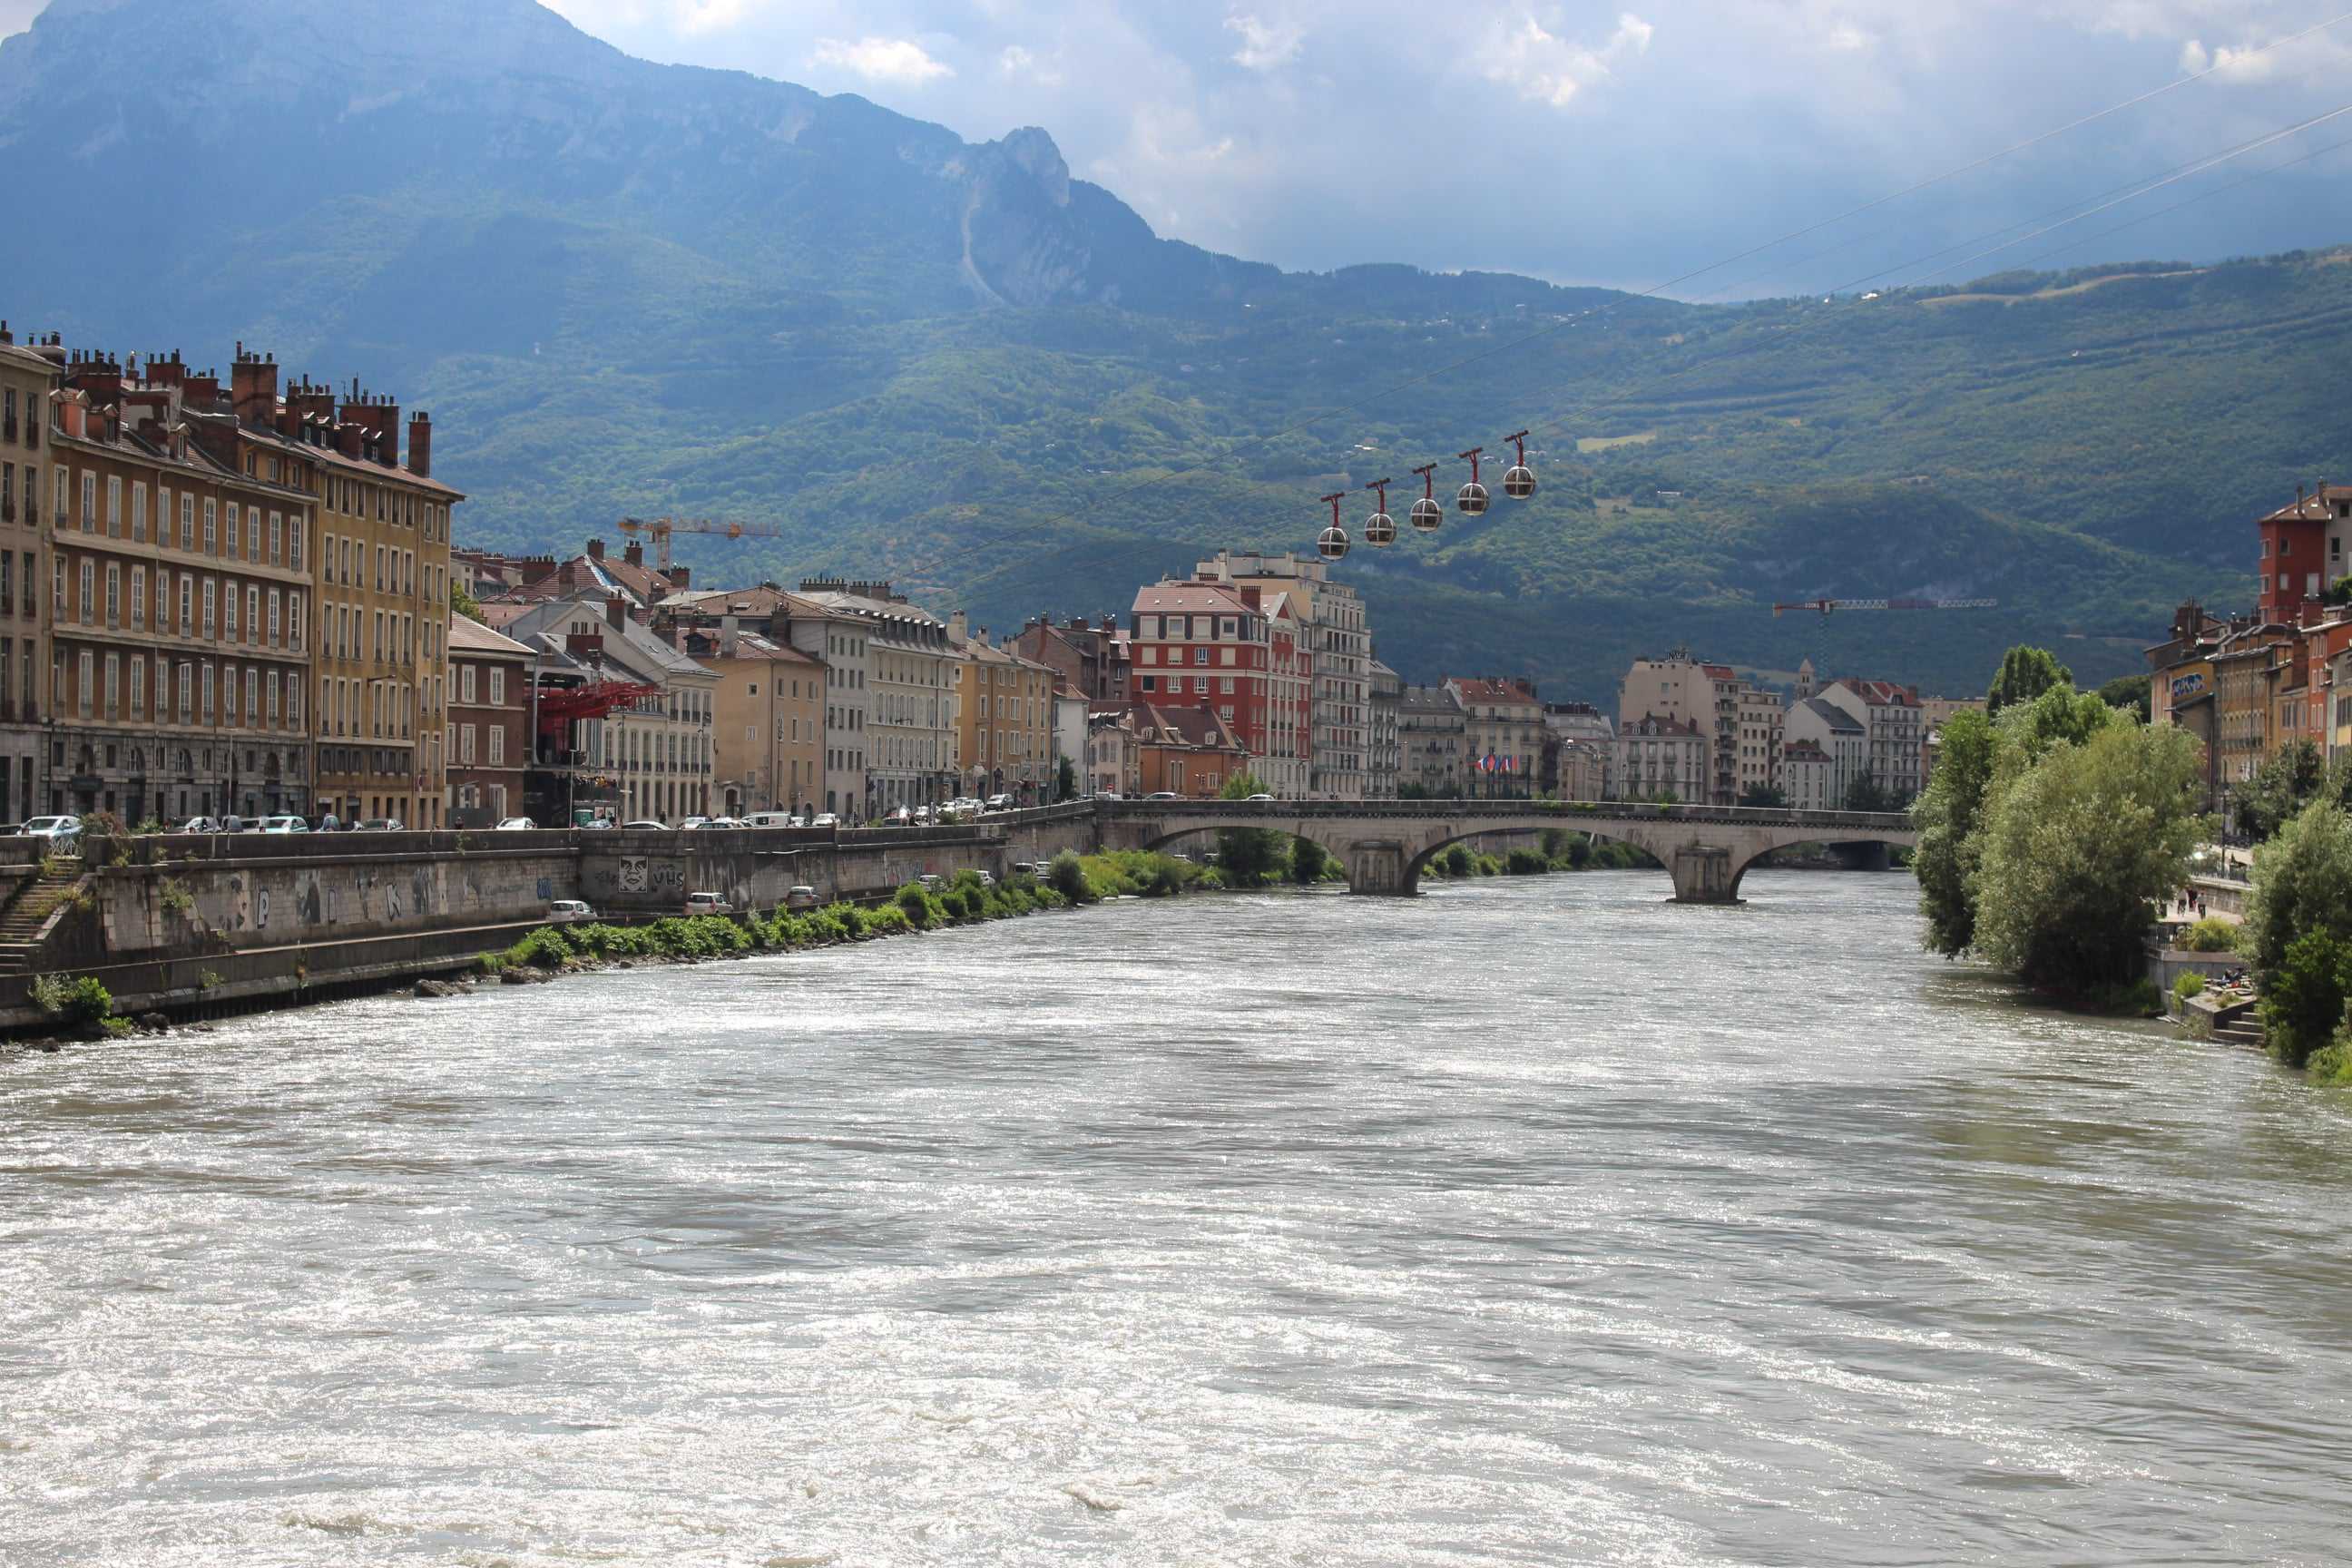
x,y
1764,795
1066,781
2078,848
462,600
2281,787
1309,862
1249,857
1947,816
2301,882
2129,692
1867,793
2303,995
2025,673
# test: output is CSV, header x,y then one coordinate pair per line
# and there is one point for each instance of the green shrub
x,y
173,896
2188,985
1459,861
1311,863
890,920
920,910
80,1001
2211,934
1066,874
1526,863
2331,1066
2303,997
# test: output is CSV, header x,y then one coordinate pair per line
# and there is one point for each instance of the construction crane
x,y
660,528
1826,605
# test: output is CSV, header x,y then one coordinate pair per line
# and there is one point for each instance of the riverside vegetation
x,y
2051,831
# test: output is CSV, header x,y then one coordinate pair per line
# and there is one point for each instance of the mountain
x,y
624,287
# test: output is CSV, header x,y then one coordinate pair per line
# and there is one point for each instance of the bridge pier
x,y
1377,866
1703,874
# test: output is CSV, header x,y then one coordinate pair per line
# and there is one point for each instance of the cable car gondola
x,y
1380,529
1332,543
1426,513
1471,500
1519,483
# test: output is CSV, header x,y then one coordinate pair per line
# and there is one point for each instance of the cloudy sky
x,y
1627,141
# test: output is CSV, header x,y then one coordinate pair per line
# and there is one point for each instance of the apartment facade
x,y
1005,736
1385,766
1843,744
1659,756
1433,741
1579,751
767,720
26,377
1339,657
1503,733
487,744
1889,715
1762,719
896,695
179,600
1225,648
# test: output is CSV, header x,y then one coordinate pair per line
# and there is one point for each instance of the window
x,y
84,669
497,745
138,513
229,694
210,624
138,687
465,684
235,520
187,604
88,591
252,533
277,539
89,501
272,690
113,593
252,695
229,611
273,619
207,709
211,519
187,690
294,623
188,520
252,614
499,686
113,685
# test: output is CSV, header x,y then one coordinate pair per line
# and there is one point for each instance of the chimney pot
x,y
595,549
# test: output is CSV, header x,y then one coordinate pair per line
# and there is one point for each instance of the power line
x,y
1316,417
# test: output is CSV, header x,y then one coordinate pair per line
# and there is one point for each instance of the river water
x,y
1531,1222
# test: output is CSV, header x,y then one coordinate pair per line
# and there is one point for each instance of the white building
x,y
1844,746
1658,756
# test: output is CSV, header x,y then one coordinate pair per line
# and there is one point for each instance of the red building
x,y
1212,647
2303,552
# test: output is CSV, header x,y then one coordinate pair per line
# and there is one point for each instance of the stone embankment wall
x,y
189,923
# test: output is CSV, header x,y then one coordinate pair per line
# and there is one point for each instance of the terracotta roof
x,y
1650,724
1188,726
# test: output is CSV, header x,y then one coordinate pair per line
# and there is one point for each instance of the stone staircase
x,y
29,911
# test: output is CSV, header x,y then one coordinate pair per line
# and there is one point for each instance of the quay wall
x,y
177,925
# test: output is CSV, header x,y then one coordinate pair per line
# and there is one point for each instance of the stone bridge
x,y
1383,843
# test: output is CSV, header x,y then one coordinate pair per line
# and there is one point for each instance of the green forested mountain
x,y
629,289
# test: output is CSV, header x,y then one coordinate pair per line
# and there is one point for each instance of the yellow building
x,y
1004,737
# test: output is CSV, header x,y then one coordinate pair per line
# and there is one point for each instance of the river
x,y
1530,1222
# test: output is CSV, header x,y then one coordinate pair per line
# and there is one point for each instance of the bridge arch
x,y
1329,842
1382,847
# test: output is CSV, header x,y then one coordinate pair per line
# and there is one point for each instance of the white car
x,y
825,820
717,822
1163,794
1258,797
62,832
708,904
693,822
282,825
1000,803
647,824
516,824
568,912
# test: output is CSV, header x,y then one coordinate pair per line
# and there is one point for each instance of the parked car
x,y
647,824
932,884
1163,794
825,820
1258,797
380,824
1108,794
898,817
282,825
62,832
708,904
199,825
1000,803
800,897
717,822
515,824
772,819
689,824
568,912
986,880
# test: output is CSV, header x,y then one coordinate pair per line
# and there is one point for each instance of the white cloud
x,y
1265,46
1548,69
901,62
1019,64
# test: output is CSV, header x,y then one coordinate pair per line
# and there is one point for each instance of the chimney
x,y
1250,597
959,628
5,336
729,630
634,554
616,612
679,577
349,439
595,549
380,417
420,444
253,388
